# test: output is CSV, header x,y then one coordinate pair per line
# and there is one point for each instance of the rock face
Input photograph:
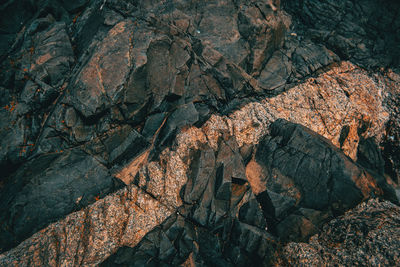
x,y
367,235
198,201
307,179
197,132
55,185
363,31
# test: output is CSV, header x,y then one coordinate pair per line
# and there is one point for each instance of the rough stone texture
x,y
366,235
52,185
216,189
173,99
40,75
364,31
310,178
219,215
100,82
343,97
391,141
223,220
88,236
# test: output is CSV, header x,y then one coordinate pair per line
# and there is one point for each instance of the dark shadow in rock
x,y
369,155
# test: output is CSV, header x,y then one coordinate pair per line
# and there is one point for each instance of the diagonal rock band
x,y
193,192
199,133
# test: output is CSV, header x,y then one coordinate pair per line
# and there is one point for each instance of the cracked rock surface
x,y
199,133
367,235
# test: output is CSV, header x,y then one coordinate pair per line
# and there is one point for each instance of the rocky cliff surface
x,y
199,133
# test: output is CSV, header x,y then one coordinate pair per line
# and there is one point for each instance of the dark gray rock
x,y
365,32
283,204
310,57
100,82
391,149
296,227
84,77
12,133
152,124
51,52
166,60
276,72
250,213
45,58
184,115
73,6
311,173
123,144
221,223
87,27
369,155
204,113
12,21
48,188
254,246
201,169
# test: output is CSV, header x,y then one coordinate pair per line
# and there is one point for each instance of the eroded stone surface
x,y
228,216
367,235
99,84
164,179
70,180
88,236
124,81
343,97
307,171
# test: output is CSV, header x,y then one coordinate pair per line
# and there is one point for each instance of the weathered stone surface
x,y
12,22
343,96
163,182
100,82
248,236
276,72
248,129
48,188
185,115
308,57
50,55
220,223
364,32
367,235
44,59
88,236
300,165
391,141
12,135
175,99
123,144
369,156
